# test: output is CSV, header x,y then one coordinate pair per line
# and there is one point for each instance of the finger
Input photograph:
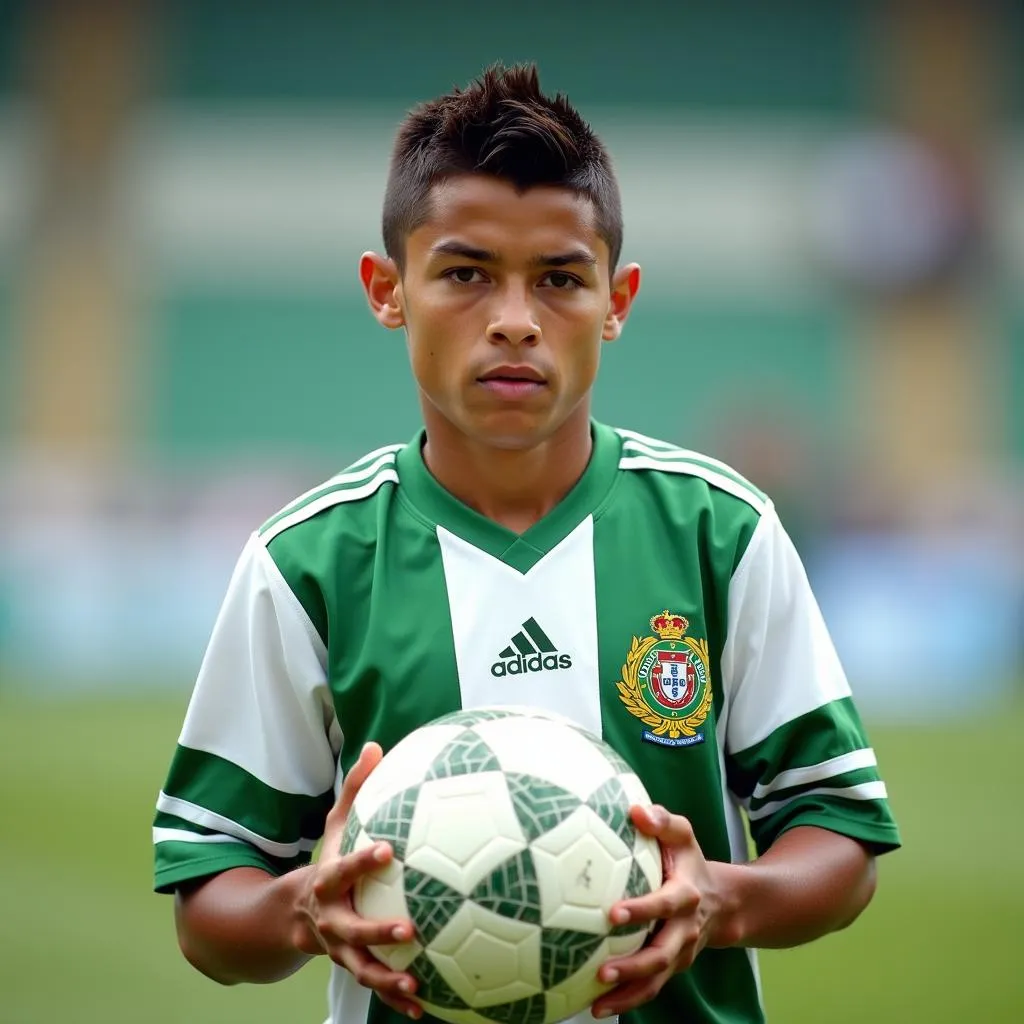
x,y
348,925
394,987
677,898
406,1007
640,977
341,924
669,829
369,757
337,875
628,997
661,954
676,895
337,917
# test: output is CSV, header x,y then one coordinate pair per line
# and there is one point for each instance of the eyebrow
x,y
579,256
470,252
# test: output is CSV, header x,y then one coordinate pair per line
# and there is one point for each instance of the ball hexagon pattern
x,y
512,841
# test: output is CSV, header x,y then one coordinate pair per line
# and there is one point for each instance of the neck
x,y
513,487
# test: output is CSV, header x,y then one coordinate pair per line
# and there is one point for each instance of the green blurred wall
x,y
790,54
319,375
230,367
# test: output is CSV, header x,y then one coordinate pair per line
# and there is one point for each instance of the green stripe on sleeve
x,y
846,780
211,783
826,732
177,862
850,802
869,821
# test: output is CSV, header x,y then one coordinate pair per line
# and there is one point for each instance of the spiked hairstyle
x,y
504,126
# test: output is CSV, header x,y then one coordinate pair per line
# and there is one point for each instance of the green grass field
x,y
85,941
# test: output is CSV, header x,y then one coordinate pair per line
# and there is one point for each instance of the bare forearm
x,y
240,926
811,882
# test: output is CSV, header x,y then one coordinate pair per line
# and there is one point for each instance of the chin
x,y
521,429
506,439
511,442
510,436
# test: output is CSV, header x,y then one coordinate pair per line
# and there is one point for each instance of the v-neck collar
x,y
520,551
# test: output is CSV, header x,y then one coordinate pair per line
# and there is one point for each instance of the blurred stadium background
x,y
828,202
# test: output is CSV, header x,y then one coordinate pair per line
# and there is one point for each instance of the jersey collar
x,y
439,507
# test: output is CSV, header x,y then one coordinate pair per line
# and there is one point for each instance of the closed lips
x,y
514,373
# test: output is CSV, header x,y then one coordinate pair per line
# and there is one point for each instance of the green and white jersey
x,y
660,605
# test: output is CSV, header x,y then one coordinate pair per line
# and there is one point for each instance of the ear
x,y
383,286
625,285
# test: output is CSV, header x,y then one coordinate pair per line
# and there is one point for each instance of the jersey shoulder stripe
x,y
642,452
355,482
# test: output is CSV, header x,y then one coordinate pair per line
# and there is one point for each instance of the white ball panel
x,y
397,956
441,844
362,841
635,789
381,896
557,913
582,822
487,958
582,869
648,855
403,766
547,749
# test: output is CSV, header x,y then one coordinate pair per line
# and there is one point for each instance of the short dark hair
x,y
500,125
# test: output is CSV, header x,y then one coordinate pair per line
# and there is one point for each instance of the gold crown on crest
x,y
669,626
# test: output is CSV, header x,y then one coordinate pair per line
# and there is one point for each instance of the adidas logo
x,y
530,651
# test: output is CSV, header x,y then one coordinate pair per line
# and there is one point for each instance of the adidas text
x,y
521,664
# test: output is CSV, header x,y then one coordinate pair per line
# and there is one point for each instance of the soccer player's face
x,y
507,298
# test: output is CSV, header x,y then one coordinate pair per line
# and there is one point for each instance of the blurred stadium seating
x,y
825,199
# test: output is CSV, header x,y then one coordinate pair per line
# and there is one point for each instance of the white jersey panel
x,y
261,698
778,661
490,605
349,1002
495,608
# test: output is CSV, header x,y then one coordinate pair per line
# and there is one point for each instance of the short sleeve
x,y
254,771
796,751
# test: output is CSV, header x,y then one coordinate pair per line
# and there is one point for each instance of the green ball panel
x,y
611,805
539,805
391,821
465,754
563,952
531,1010
511,890
431,903
431,986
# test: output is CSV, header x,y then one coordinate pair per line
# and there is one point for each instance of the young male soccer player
x,y
517,552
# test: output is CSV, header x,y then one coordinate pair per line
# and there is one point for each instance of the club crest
x,y
666,683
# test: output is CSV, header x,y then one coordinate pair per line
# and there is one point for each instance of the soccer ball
x,y
512,841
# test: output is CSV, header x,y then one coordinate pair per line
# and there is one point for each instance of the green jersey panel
x,y
371,570
665,551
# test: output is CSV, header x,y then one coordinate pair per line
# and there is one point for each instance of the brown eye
x,y
562,281
464,275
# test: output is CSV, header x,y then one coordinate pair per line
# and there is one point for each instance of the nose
x,y
513,321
